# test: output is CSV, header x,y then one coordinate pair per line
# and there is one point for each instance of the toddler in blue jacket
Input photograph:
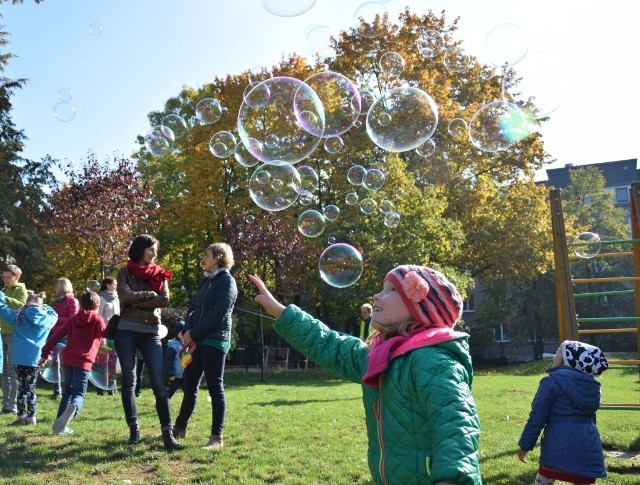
x,y
565,405
31,325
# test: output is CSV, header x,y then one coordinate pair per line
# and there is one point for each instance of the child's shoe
x,y
66,430
30,421
64,419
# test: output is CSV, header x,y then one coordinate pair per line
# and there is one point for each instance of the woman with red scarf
x,y
143,289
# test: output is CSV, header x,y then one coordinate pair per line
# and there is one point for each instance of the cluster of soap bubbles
x,y
283,120
64,110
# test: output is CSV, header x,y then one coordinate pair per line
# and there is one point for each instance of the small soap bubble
x,y
331,212
65,94
93,285
64,111
368,206
430,44
177,124
427,149
311,223
249,218
95,29
386,206
587,245
356,174
374,179
391,64
340,265
244,157
351,198
333,144
223,144
458,128
159,141
208,111
391,219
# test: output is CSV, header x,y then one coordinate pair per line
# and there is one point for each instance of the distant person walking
x,y
66,305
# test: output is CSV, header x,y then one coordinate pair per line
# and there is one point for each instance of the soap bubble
x,y
305,199
505,45
391,219
291,124
177,124
250,218
65,94
50,370
106,373
374,179
368,206
256,94
414,118
587,245
244,157
159,141
430,43
333,144
93,285
288,8
351,198
386,206
223,144
458,128
308,180
311,223
318,38
274,196
64,111
356,174
331,212
208,111
95,28
427,149
498,125
340,265
369,19
340,99
367,98
391,64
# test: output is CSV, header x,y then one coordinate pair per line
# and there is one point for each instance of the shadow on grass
x,y
315,378
284,402
509,478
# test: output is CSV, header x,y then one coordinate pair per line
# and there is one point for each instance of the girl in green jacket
x,y
415,372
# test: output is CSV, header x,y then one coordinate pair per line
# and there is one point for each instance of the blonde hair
x,y
35,299
64,285
402,328
367,306
223,253
13,269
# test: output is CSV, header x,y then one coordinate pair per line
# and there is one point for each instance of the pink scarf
x,y
382,351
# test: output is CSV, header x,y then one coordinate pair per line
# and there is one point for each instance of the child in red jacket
x,y
83,331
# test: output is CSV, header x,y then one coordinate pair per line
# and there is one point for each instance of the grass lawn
x,y
295,428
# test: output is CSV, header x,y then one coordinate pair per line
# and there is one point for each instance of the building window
x,y
622,195
500,334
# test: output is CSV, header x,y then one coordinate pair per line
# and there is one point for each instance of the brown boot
x,y
169,441
215,443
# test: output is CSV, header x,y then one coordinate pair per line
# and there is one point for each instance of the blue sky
x,y
148,50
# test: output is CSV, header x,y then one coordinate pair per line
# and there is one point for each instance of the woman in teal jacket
x,y
416,376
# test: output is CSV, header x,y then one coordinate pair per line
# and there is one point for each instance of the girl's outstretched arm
x,y
264,297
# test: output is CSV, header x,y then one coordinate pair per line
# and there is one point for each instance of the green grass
x,y
296,428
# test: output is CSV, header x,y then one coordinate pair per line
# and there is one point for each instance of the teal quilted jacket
x,y
422,423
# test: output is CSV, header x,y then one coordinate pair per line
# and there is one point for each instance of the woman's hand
x,y
521,455
272,306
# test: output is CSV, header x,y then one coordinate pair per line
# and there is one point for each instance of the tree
x,y
23,185
96,214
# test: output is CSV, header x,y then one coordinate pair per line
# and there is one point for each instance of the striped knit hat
x,y
430,297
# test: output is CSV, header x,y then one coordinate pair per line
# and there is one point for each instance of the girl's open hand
x,y
521,455
264,297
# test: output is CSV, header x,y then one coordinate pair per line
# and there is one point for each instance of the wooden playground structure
x,y
568,321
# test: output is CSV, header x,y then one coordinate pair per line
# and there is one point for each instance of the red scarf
x,y
154,275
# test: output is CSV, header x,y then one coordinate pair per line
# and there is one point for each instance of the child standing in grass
x,y
83,332
31,325
415,372
565,407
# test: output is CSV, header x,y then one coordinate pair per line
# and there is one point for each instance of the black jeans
x,y
207,361
150,346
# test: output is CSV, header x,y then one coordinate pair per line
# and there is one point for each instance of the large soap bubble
x,y
208,111
159,140
340,265
177,124
277,131
311,223
506,45
223,144
50,370
402,119
498,125
105,373
274,187
288,8
340,99
587,245
308,180
369,18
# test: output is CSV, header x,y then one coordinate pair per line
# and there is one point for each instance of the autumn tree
x,y
95,214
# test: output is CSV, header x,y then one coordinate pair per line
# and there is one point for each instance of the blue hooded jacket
x,y
565,407
31,327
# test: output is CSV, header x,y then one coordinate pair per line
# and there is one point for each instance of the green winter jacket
x,y
422,423
16,297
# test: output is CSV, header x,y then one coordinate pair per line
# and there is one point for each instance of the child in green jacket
x,y
416,376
